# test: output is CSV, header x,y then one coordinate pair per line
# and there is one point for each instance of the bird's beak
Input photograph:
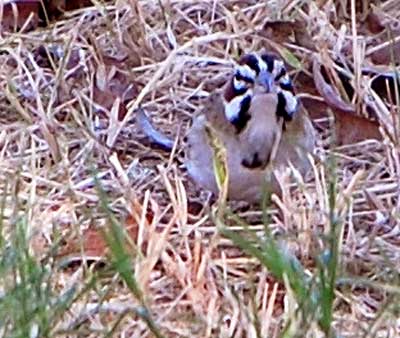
x,y
265,80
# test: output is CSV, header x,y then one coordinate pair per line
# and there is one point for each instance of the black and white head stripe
x,y
264,64
245,73
236,110
262,69
243,78
252,66
287,104
238,93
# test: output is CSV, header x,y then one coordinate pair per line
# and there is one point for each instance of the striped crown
x,y
263,70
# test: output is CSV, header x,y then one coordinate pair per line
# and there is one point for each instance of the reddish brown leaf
x,y
387,55
352,128
315,108
111,81
283,31
349,127
55,8
92,244
75,4
15,13
374,23
278,31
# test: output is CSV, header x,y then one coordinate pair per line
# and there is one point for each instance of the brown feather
x,y
261,134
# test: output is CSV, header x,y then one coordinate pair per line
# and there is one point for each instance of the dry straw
x,y
53,138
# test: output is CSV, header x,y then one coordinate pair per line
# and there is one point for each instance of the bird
x,y
261,124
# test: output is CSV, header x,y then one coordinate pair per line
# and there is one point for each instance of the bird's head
x,y
253,74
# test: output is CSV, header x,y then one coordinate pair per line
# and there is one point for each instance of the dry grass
x,y
195,282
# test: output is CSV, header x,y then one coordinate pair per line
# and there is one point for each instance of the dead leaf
x,y
56,8
278,31
387,55
17,14
352,128
281,31
374,23
93,245
328,92
93,242
316,109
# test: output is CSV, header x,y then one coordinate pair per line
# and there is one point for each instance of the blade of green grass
x,y
122,261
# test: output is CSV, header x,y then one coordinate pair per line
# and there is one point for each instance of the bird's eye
x,y
286,84
239,86
278,69
244,73
281,74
